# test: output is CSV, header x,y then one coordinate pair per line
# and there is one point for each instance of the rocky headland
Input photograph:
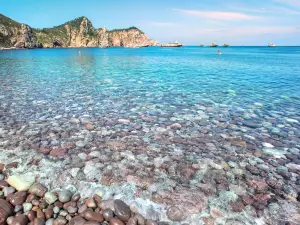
x,y
79,32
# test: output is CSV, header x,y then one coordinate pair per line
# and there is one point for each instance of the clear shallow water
x,y
241,76
184,120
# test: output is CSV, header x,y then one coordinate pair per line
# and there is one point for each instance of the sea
x,y
158,119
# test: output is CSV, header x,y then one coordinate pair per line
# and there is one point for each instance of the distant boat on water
x,y
201,45
226,45
175,44
272,45
214,44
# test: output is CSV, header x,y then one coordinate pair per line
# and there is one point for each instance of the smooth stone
x,y
49,221
31,215
72,209
151,222
50,197
175,214
75,197
65,196
251,124
18,208
63,213
27,206
132,221
18,198
39,221
60,221
20,220
140,219
108,214
122,211
77,220
22,182
116,221
38,190
9,220
6,210
90,215
56,209
8,190
90,202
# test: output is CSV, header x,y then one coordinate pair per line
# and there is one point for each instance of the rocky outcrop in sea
x,y
79,32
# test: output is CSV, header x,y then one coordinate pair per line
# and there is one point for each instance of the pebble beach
x,y
145,137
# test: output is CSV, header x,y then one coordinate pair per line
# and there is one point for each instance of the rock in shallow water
x,y
122,210
38,190
50,197
175,214
22,182
65,196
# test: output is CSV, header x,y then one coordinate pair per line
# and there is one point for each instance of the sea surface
x,y
158,113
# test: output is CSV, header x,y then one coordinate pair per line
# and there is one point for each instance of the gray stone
x,y
65,196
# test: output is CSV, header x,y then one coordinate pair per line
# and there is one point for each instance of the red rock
x,y
77,220
18,198
90,215
6,210
116,221
31,197
20,220
3,184
31,215
12,165
67,204
89,126
58,152
44,151
258,185
237,206
1,167
39,221
215,213
58,204
247,200
208,220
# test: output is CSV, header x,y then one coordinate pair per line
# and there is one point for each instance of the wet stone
x,y
108,214
77,220
39,221
65,196
90,215
122,211
6,210
50,197
20,220
116,221
18,198
60,221
175,214
38,190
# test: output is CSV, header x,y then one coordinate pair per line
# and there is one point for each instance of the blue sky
x,y
237,22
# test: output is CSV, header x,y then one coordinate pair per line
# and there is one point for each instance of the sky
x,y
191,22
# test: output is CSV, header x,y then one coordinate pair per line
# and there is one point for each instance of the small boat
x,y
214,44
225,45
175,44
201,45
272,45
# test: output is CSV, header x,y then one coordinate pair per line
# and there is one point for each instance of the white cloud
x,y
219,15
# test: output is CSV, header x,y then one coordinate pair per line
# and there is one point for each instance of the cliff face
x,y
76,33
128,37
14,34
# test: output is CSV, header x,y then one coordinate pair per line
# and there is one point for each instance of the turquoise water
x,y
182,120
184,76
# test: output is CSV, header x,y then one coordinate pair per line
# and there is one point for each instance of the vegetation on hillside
x,y
126,29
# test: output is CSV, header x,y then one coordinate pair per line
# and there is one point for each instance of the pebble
x,y
56,209
22,182
65,196
8,190
60,221
116,221
49,221
50,197
90,215
77,220
18,198
27,207
175,214
38,190
122,211
108,214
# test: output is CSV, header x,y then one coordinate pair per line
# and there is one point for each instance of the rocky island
x,y
79,32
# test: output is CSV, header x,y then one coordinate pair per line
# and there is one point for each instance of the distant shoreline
x,y
13,48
